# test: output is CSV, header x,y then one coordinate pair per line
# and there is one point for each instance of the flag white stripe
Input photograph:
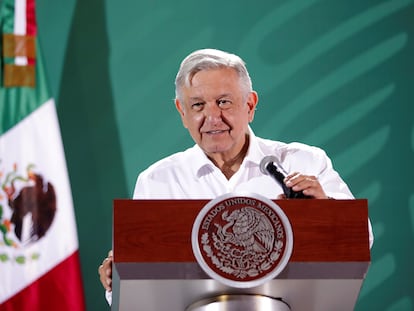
x,y
36,140
20,17
20,26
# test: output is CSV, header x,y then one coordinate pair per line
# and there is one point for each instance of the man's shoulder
x,y
302,147
291,147
172,162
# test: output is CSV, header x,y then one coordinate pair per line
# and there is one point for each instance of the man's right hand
x,y
105,272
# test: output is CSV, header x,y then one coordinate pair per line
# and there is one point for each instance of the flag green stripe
x,y
7,16
16,103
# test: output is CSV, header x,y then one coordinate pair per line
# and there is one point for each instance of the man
x,y
216,102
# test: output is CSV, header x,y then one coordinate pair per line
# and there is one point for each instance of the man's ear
x,y
252,101
181,111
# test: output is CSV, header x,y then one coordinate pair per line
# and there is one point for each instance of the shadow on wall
x,y
90,134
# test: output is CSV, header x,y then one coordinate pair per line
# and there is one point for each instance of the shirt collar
x,y
254,154
200,161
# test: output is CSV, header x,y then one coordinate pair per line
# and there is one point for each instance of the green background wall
x,y
337,74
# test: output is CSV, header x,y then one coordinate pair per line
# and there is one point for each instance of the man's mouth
x,y
214,132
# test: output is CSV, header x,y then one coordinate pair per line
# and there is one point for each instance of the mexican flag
x,y
39,258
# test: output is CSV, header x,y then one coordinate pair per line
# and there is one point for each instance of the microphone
x,y
268,167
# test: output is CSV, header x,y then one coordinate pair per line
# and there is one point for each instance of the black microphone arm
x,y
268,167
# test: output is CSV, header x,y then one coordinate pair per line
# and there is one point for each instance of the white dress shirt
x,y
191,175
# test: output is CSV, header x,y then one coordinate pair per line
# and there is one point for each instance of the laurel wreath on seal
x,y
6,239
223,261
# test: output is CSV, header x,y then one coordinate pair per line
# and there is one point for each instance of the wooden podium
x,y
155,269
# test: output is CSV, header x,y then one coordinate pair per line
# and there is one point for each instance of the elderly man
x,y
216,102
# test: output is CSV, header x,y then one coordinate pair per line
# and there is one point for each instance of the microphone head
x,y
265,161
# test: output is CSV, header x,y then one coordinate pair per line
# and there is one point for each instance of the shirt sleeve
x,y
310,160
333,185
108,296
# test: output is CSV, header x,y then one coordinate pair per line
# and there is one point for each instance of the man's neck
x,y
231,166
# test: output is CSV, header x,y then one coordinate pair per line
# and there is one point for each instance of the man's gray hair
x,y
207,59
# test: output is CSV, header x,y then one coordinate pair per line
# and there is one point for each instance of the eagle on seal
x,y
251,229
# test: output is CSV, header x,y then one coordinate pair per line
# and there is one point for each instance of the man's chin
x,y
214,149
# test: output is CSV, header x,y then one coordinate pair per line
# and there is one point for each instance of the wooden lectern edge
x,y
324,230
192,271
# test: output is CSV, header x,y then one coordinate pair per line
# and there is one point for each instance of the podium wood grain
x,y
160,230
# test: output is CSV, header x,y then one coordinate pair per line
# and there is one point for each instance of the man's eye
x,y
197,106
223,102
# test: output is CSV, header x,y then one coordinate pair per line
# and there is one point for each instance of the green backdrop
x,y
336,74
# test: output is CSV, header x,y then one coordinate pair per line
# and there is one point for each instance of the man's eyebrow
x,y
224,95
196,99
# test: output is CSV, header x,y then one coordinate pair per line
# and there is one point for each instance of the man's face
x,y
216,111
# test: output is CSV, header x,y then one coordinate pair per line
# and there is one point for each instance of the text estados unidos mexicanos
x,y
248,202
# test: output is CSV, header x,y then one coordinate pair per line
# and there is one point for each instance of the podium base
x,y
239,302
175,286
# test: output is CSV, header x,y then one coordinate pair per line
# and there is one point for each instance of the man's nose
x,y
212,111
